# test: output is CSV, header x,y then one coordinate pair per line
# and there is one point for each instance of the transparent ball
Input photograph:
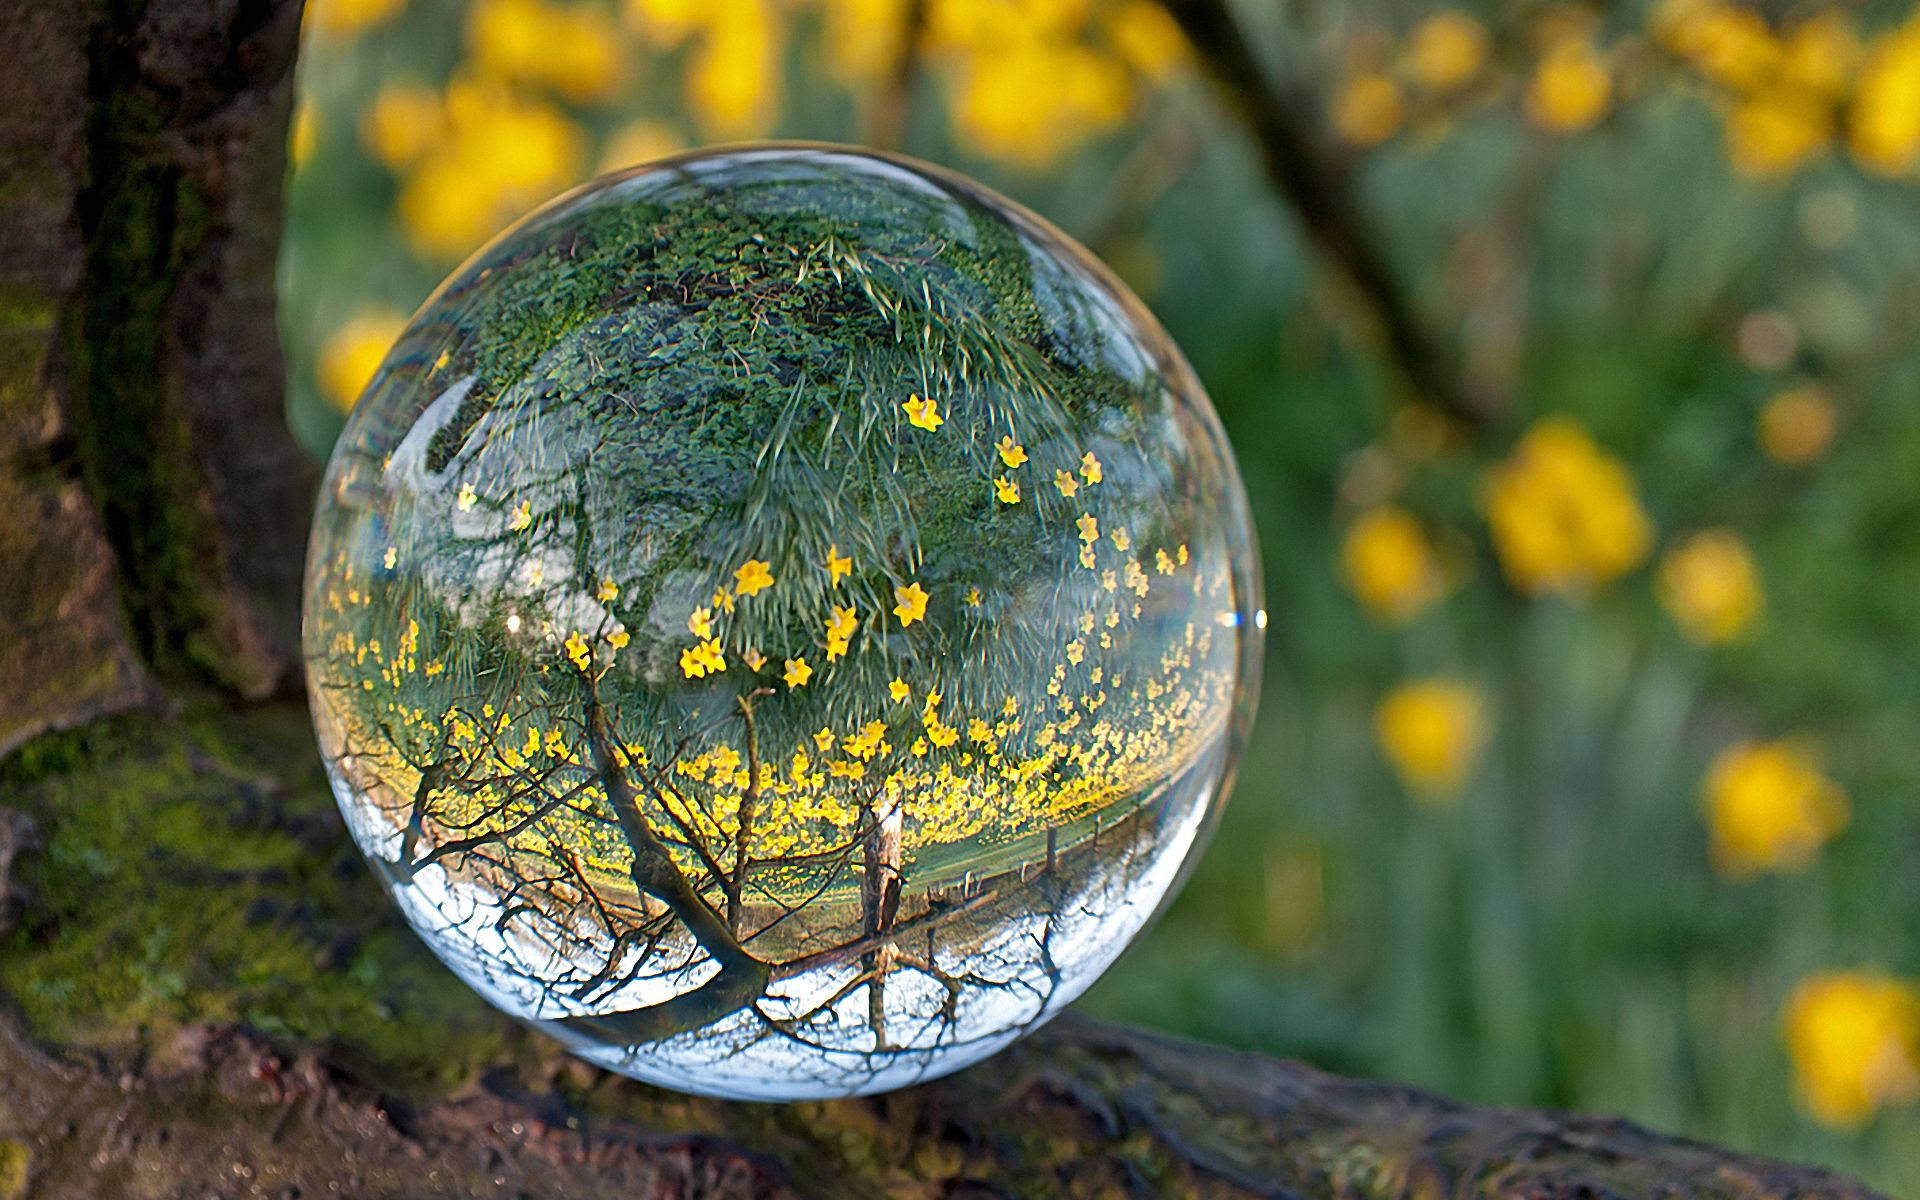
x,y
781,620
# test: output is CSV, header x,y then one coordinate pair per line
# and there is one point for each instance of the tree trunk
x,y
152,510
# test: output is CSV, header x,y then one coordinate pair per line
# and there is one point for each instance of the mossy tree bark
x,y
151,520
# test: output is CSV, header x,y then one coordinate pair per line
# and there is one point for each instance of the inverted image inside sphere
x,y
780,621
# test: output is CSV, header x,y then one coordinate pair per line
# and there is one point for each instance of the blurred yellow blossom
x,y
640,141
301,134
1368,108
1033,101
1388,565
497,153
733,78
1711,587
1771,134
666,23
401,123
340,19
1447,50
351,356
1883,127
1770,809
1570,88
1854,1040
1431,731
1563,512
862,38
571,49
1146,38
1796,424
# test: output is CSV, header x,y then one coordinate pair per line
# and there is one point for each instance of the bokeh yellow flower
x,y
1710,585
401,124
1032,102
1447,50
1368,109
1146,38
1883,121
1563,513
640,141
1388,564
1432,731
572,50
733,78
1770,809
342,19
1854,1040
862,39
1771,134
496,152
351,356
1571,87
1797,424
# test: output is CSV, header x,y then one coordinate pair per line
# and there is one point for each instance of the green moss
x,y
15,1160
188,874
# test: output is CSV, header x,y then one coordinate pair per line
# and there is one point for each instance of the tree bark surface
x,y
152,509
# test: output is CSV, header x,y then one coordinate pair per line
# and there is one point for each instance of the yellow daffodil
x,y
1007,491
1431,731
1770,809
576,648
797,672
1067,484
1090,469
753,576
700,623
911,603
522,516
923,414
607,592
839,566
1089,526
618,639
466,498
1012,453
1854,1040
1711,586
1387,564
898,689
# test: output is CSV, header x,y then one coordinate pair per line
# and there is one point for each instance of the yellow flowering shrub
x,y
1388,565
1770,809
1854,1040
351,356
1431,731
1564,514
1711,587
1796,424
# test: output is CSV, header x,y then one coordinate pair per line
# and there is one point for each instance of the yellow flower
x,y
1711,586
522,516
638,142
1146,38
840,629
1797,424
797,672
973,597
1771,133
576,647
923,414
1854,1039
912,603
839,566
1431,731
1563,512
752,577
392,556
465,499
572,49
401,124
1368,109
700,623
341,19
1090,468
1447,50
898,689
1067,484
607,592
1089,528
1012,453
1007,491
1571,87
354,352
1030,99
1122,540
1883,126
824,739
753,658
703,659
1770,809
732,79
618,639
723,599
1387,564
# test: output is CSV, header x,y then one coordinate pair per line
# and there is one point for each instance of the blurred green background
x,y
1586,773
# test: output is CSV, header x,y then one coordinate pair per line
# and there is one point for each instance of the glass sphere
x,y
781,620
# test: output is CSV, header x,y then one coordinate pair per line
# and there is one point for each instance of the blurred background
x,y
1570,355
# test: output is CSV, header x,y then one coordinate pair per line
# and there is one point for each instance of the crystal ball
x,y
781,620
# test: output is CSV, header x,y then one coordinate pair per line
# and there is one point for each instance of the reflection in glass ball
x,y
780,621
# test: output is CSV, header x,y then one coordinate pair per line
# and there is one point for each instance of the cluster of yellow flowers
x,y
1564,513
1769,808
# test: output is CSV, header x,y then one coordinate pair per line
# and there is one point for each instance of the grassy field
x,y
1585,770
